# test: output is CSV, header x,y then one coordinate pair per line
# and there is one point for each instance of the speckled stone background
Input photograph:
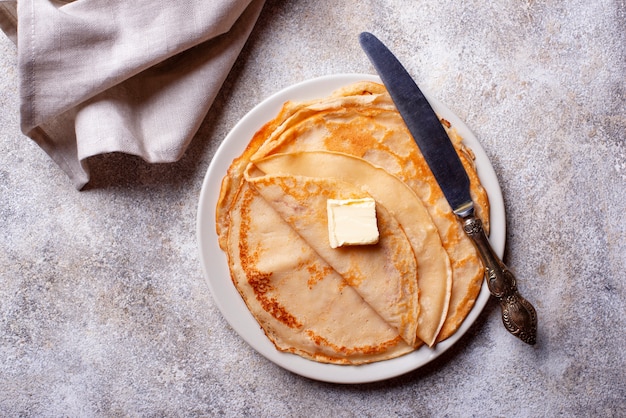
x,y
103,307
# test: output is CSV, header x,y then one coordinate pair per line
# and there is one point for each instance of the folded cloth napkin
x,y
137,77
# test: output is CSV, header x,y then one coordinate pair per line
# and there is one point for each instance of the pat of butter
x,y
352,222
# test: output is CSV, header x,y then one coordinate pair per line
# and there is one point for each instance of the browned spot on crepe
x,y
318,303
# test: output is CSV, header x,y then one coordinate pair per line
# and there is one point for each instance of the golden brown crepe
x,y
304,304
353,143
384,275
434,272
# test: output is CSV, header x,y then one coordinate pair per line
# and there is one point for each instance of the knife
x,y
518,315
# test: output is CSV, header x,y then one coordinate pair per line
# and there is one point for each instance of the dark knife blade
x,y
518,315
423,123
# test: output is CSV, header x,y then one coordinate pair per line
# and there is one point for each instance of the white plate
x,y
215,264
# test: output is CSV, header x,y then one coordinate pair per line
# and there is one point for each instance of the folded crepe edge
x,y
433,261
407,326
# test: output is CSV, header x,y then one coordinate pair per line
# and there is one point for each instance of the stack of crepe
x,y
353,304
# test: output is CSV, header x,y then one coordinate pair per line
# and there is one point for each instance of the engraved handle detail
x,y
519,315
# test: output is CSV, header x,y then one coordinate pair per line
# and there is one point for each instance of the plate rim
x,y
214,261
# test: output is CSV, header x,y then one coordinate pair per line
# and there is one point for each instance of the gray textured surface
x,y
103,308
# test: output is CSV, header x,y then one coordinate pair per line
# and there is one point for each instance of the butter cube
x,y
352,222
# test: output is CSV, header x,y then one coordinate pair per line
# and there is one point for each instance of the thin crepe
x,y
349,137
434,272
302,302
361,120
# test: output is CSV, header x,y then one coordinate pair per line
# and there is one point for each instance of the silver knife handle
x,y
518,315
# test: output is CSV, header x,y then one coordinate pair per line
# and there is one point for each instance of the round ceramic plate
x,y
215,264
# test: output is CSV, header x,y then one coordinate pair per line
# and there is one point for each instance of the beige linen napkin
x,y
138,77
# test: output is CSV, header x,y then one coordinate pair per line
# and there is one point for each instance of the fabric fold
x,y
99,76
8,19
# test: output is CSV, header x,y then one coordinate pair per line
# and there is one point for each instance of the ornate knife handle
x,y
518,315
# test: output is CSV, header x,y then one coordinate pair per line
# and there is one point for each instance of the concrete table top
x,y
104,310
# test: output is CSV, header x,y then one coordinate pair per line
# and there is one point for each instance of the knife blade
x,y
518,315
